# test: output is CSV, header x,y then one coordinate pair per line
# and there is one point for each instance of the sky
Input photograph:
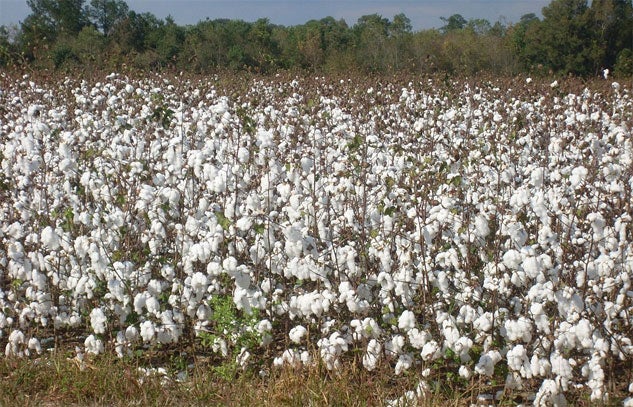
x,y
423,14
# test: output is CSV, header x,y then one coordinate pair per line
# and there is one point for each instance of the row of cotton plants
x,y
481,229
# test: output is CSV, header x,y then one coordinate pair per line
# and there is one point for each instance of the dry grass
x,y
57,379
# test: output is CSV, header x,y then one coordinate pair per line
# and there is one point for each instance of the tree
x,y
59,16
371,32
562,40
106,13
452,23
400,25
133,33
479,26
49,20
612,26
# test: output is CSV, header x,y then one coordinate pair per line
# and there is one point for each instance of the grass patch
x,y
58,379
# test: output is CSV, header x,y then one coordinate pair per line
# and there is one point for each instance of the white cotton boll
x,y
244,224
628,402
50,239
430,351
549,394
465,372
517,357
404,363
481,226
243,358
418,338
131,333
229,264
553,84
512,259
98,321
243,155
372,355
540,367
484,322
540,319
93,345
139,302
199,283
34,344
487,362
297,333
520,329
15,344
562,368
578,176
152,304
407,320
306,164
147,331
584,333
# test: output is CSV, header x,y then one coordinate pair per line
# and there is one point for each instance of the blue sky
x,y
423,13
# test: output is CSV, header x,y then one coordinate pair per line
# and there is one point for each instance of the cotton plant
x,y
418,223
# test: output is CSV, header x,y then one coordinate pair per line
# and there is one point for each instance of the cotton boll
x,y
578,176
147,331
430,351
550,394
15,344
244,224
131,334
405,361
481,226
487,363
93,345
406,321
297,333
50,239
520,329
34,344
372,355
98,321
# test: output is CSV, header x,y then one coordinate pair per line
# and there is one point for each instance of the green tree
x,y
59,16
371,33
562,41
452,23
612,28
106,13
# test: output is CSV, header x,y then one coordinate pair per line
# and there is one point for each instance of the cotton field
x,y
481,229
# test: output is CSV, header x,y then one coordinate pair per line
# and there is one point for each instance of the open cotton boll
x,y
430,351
487,362
405,361
50,239
520,329
578,176
93,345
147,331
98,321
406,321
550,394
297,333
372,355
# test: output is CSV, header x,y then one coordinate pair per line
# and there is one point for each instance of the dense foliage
x,y
573,37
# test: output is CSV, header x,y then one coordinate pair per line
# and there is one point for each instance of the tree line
x,y
573,36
